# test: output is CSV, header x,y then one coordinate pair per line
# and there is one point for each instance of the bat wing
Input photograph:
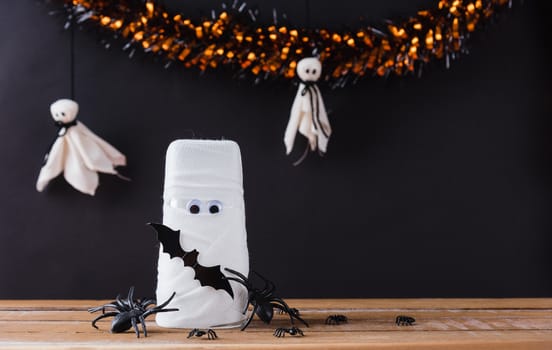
x,y
206,275
170,240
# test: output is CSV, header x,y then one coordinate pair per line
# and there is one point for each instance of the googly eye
x,y
215,207
194,206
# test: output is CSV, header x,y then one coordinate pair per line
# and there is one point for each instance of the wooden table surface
x,y
440,324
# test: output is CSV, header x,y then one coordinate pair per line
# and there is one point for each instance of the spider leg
x,y
158,307
135,325
279,332
283,311
192,333
109,314
130,297
245,282
103,307
250,318
143,322
211,334
246,307
152,311
269,285
148,302
234,272
246,285
266,289
120,302
281,304
332,320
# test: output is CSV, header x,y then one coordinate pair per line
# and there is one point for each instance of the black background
x,y
432,187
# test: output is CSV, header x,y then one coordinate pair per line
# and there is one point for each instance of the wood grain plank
x,y
479,324
230,339
379,320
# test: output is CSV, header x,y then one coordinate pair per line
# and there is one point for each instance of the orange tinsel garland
x,y
234,38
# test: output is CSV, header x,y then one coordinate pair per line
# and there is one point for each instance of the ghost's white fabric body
x,y
203,171
77,152
303,117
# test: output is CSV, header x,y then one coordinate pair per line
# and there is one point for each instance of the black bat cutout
x,y
207,276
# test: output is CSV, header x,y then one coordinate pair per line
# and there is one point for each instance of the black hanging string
x,y
307,13
307,88
63,127
72,54
302,158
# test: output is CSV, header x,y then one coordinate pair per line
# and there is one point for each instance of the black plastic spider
x,y
402,320
129,312
211,335
263,300
336,319
281,332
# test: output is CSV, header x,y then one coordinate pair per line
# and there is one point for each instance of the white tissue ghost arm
x,y
77,152
296,115
55,162
116,157
308,114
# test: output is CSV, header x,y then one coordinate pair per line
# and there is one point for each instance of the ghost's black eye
x,y
314,71
308,71
63,114
215,207
194,206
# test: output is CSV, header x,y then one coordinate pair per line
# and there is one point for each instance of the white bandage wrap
x,y
203,173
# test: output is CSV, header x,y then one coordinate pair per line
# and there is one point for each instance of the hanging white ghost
x,y
308,113
77,152
204,210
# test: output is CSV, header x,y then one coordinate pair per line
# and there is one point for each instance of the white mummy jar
x,y
203,199
308,113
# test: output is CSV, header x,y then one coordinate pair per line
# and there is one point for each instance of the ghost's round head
x,y
64,110
309,69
